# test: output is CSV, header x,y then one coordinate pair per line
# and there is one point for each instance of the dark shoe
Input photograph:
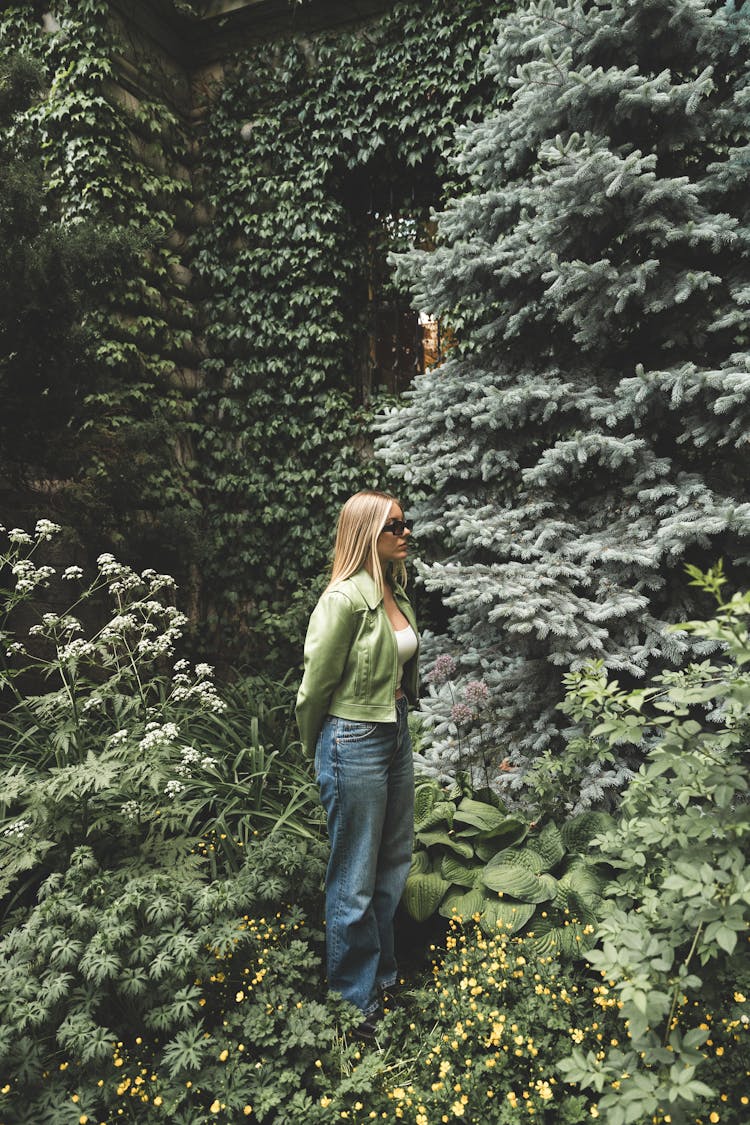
x,y
368,1029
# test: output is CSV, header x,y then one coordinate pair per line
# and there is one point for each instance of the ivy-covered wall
x,y
230,418
310,141
114,130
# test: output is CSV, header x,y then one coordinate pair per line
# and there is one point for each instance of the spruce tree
x,y
589,434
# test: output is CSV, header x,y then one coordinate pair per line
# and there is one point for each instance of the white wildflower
x,y
72,572
45,529
76,649
130,810
158,734
121,623
18,535
204,671
173,788
19,828
118,737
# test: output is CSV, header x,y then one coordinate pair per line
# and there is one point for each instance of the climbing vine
x,y
227,418
308,142
114,157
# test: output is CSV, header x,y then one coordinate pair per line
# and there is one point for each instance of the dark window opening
x,y
396,341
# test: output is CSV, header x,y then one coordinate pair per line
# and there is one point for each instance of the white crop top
x,y
406,644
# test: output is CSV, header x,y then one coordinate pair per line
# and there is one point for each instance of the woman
x,y
360,675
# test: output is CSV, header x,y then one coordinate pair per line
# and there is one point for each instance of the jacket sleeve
x,y
327,644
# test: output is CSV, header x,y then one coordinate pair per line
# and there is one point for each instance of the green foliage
x,y
492,1023
130,748
474,859
310,144
590,426
154,990
94,328
162,857
260,232
54,274
673,942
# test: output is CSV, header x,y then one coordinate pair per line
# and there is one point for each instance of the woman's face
x,y
393,548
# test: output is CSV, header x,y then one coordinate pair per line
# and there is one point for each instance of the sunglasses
x,y
398,527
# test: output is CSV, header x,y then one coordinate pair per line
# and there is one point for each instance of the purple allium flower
x,y
476,692
442,669
461,713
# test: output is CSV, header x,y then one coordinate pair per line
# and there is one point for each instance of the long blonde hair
x,y
360,523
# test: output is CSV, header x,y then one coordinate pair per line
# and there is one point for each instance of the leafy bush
x,y
673,942
156,990
485,1036
162,863
129,747
473,857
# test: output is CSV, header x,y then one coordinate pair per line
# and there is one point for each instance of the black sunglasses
x,y
398,527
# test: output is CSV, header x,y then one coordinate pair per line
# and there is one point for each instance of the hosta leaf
x,y
460,847
455,871
506,836
577,833
564,939
549,884
420,863
425,797
462,903
514,879
509,832
526,856
478,815
513,915
548,845
423,894
489,797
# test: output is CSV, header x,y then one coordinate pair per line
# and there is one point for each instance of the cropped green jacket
x,y
351,659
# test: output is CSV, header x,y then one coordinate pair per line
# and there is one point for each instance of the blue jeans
x,y
365,773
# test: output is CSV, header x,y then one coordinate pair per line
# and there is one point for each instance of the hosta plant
x,y
473,858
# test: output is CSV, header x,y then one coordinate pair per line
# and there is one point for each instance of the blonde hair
x,y
360,523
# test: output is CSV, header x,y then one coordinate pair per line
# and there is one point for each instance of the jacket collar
x,y
365,583
367,588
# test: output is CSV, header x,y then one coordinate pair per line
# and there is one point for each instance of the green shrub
x,y
473,857
673,942
485,1036
167,994
129,747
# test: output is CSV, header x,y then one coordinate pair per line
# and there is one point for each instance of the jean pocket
x,y
354,730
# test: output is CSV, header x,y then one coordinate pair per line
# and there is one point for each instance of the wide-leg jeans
x,y
365,772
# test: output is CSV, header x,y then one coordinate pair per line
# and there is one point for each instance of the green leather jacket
x,y
351,660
